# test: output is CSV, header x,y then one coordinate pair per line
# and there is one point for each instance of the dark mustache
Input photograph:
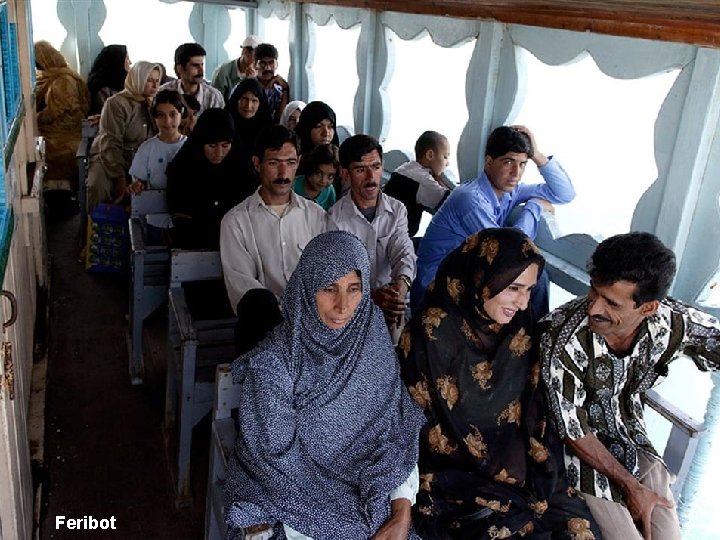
x,y
599,318
371,184
281,181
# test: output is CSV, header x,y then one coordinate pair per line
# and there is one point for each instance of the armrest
x,y
673,414
178,309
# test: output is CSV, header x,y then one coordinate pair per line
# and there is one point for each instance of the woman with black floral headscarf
x,y
488,467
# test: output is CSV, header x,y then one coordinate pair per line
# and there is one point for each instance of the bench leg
x,y
185,427
136,320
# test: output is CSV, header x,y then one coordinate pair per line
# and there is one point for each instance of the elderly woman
x,y
488,466
249,110
125,123
62,102
207,177
291,114
328,435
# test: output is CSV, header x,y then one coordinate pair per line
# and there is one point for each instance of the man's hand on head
x,y
539,158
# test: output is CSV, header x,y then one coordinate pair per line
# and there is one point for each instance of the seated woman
x,y
489,468
315,126
249,110
328,435
107,76
324,168
125,123
291,114
62,102
209,175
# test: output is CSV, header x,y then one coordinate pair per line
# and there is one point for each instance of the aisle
x,y
105,455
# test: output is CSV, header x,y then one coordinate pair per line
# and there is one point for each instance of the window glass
x,y
602,131
427,92
238,32
155,34
277,32
335,69
45,27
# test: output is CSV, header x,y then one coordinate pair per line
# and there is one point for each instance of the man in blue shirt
x,y
488,200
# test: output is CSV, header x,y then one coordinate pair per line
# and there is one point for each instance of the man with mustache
x,y
277,90
262,238
488,200
190,70
380,222
600,354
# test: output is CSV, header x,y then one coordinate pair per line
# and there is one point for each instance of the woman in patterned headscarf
x,y
487,469
62,102
125,123
328,435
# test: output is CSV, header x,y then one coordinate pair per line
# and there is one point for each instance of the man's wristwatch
x,y
406,280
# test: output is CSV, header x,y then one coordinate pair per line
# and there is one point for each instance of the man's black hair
x,y
508,139
429,140
186,51
264,50
355,147
273,137
637,257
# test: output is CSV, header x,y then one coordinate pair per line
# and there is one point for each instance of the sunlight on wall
x,y
602,131
427,99
336,81
277,32
161,29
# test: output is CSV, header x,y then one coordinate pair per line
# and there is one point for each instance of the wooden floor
x,y
104,446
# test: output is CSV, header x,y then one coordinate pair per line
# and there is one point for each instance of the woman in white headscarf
x,y
291,114
125,123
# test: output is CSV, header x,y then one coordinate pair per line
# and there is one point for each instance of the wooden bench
x,y
149,274
222,439
201,328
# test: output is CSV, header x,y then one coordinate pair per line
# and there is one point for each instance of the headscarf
x,y
248,128
136,79
107,71
53,67
314,113
290,108
203,190
327,430
484,446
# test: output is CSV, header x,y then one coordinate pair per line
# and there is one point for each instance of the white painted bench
x,y
149,274
197,343
222,439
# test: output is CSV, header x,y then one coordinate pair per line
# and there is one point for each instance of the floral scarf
x,y
485,465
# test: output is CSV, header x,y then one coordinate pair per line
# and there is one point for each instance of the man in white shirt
x,y
190,70
380,222
261,239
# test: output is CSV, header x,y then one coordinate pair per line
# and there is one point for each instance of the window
x,y
602,131
427,92
46,27
334,69
277,32
10,70
155,34
238,32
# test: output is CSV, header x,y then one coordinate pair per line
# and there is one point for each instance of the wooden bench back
x,y
194,265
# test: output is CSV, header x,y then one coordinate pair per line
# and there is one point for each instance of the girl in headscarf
x,y
328,436
209,175
316,126
62,102
324,169
489,465
249,110
125,123
107,75
291,114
